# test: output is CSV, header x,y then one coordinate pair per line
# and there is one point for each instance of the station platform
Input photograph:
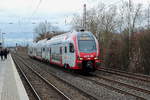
x,y
11,86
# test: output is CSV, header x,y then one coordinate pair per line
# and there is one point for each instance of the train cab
x,y
88,51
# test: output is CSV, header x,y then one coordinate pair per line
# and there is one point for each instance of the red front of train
x,y
87,52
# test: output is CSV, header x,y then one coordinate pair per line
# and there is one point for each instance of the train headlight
x,y
80,58
96,58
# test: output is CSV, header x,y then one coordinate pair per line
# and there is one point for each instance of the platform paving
x,y
11,87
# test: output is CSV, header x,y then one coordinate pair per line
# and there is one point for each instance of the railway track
x,y
129,73
35,94
144,93
96,79
72,86
124,84
59,95
116,89
126,74
111,87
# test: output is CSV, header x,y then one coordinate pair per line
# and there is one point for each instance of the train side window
x,y
43,49
71,48
65,49
60,50
50,50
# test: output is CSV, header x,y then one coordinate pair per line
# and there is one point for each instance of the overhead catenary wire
x,y
32,14
36,9
111,4
114,3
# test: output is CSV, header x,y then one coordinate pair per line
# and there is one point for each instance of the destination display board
x,y
84,37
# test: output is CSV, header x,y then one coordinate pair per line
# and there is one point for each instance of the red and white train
x,y
73,50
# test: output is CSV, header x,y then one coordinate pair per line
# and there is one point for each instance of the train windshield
x,y
86,43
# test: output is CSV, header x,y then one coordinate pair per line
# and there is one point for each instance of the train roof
x,y
59,38
66,36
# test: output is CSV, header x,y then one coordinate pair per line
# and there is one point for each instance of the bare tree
x,y
43,30
43,27
77,21
147,16
104,21
132,20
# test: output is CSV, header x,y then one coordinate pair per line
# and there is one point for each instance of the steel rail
x,y
83,92
27,80
124,75
113,88
124,84
134,74
47,82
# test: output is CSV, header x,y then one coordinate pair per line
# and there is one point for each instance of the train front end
x,y
88,52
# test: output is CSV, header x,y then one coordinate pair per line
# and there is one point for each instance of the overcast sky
x,y
22,13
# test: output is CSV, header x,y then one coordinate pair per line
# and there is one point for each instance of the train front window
x,y
86,43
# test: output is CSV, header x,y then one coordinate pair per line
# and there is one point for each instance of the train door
x,y
60,56
71,55
34,52
43,53
49,54
46,53
64,55
39,52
